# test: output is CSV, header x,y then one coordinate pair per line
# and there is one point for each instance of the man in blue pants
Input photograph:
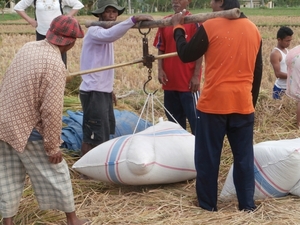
x,y
233,71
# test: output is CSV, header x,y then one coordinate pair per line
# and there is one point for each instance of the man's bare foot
x,y
8,221
80,222
83,222
72,219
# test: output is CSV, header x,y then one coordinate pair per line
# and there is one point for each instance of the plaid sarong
x,y
51,182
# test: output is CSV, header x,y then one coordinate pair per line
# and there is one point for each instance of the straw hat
x,y
102,4
64,30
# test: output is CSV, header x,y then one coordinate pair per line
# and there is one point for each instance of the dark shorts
x,y
278,92
98,116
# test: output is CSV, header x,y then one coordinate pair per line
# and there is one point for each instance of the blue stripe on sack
x,y
112,162
269,188
113,158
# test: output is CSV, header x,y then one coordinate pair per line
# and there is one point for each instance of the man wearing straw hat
x,y
96,89
233,71
31,103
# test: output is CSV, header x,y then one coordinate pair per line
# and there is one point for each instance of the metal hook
x,y
147,58
149,79
145,33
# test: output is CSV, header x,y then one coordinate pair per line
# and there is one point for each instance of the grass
x,y
277,11
9,17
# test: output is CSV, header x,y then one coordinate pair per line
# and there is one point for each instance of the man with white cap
x,y
96,89
31,103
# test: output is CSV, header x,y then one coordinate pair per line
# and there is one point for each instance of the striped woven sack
x,y
163,153
276,169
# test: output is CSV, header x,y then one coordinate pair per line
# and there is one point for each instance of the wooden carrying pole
x,y
195,18
120,65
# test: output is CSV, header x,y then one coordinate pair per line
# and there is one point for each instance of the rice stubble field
x,y
105,203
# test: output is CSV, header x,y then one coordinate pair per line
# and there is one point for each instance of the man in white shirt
x,y
277,59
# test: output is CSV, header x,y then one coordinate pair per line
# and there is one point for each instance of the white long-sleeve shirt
x,y
47,10
97,51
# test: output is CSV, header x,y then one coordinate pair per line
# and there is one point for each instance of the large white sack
x,y
276,169
295,190
163,153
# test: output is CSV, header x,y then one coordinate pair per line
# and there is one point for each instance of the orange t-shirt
x,y
229,66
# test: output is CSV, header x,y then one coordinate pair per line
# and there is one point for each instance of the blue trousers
x,y
210,132
182,106
278,92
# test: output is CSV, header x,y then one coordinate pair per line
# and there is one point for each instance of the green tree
x,y
3,5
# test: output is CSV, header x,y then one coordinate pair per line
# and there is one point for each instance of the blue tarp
x,y
126,122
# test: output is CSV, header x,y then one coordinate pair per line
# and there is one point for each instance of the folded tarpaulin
x,y
72,133
126,122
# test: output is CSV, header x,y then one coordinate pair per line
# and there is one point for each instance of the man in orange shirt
x,y
233,71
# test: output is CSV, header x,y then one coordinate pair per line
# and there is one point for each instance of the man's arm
x,y
189,52
20,8
162,77
195,80
30,20
197,46
101,35
51,107
257,76
275,58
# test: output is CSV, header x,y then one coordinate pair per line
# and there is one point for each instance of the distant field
x,y
278,11
274,16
